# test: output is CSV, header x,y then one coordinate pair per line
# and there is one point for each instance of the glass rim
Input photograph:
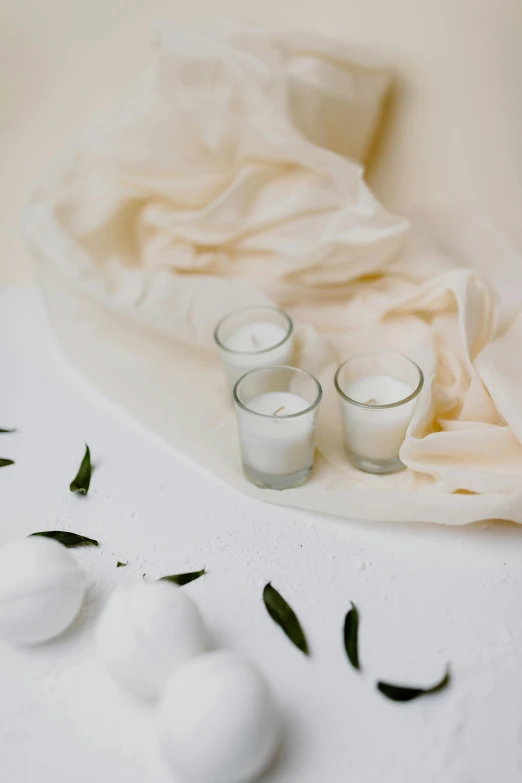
x,y
296,370
375,407
290,329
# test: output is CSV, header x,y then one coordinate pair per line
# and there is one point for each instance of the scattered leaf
x,y
121,565
406,693
351,636
80,483
2,431
283,614
5,462
68,539
182,579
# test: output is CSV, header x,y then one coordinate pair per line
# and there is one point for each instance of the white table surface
x,y
426,594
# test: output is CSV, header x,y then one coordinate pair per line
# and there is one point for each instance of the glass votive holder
x,y
254,337
378,393
277,409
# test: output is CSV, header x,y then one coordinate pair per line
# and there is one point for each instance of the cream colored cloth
x,y
233,176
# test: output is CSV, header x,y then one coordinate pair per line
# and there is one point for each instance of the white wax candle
x,y
374,433
378,390
255,336
256,344
273,444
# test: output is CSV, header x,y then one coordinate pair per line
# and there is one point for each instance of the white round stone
x,y
41,590
147,631
218,722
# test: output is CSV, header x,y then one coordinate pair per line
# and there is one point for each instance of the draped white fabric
x,y
234,176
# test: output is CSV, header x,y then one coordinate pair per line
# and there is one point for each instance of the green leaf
x,y
283,614
351,636
406,693
80,483
119,564
182,579
68,539
2,431
5,462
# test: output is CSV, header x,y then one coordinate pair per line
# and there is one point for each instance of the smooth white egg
x,y
218,721
41,590
146,632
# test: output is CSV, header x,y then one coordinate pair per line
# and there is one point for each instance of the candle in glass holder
x,y
378,394
254,337
277,412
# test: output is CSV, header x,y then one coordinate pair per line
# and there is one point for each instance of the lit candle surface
x,y
374,433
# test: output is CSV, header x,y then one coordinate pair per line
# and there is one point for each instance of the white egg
x,y
146,632
218,722
41,590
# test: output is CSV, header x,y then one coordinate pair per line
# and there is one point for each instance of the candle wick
x,y
255,341
279,410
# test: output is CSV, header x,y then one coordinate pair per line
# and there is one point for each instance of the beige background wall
x,y
454,131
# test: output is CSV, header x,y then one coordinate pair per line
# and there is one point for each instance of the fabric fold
x,y
234,175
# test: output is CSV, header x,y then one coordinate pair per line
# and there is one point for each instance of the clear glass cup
x,y
254,337
277,409
378,393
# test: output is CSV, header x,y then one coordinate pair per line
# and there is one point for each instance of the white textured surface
x,y
426,595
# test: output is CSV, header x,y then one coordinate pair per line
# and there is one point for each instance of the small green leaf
x,y
182,579
5,462
2,431
121,565
68,539
80,483
351,636
283,614
406,693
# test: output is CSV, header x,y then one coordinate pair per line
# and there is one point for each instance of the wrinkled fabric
x,y
234,176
